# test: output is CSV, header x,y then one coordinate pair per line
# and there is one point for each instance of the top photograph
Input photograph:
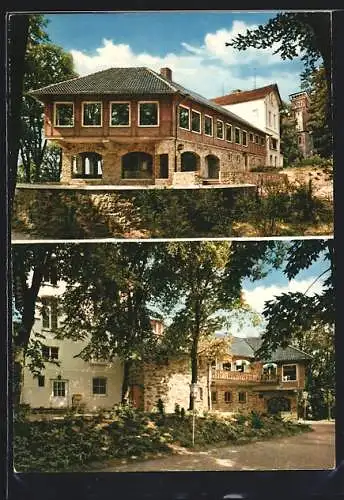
x,y
220,129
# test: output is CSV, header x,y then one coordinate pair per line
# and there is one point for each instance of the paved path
x,y
311,450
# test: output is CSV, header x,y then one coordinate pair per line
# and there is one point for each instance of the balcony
x,y
245,377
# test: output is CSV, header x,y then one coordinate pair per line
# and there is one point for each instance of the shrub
x,y
256,420
177,410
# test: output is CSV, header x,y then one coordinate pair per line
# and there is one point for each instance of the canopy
x,y
270,365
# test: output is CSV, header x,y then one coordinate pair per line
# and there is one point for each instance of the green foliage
x,y
293,34
256,420
289,138
290,315
185,212
271,212
45,64
177,410
75,442
161,407
319,120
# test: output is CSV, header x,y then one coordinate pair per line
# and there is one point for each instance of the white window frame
x,y
235,129
49,358
94,394
55,114
110,110
65,388
212,126
231,126
138,114
189,109
82,114
242,136
200,121
296,372
47,304
223,130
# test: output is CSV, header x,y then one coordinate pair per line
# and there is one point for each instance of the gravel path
x,y
310,450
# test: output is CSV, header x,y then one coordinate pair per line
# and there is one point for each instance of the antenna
x,y
223,88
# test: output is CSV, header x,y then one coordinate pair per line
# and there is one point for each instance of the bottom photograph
x,y
173,356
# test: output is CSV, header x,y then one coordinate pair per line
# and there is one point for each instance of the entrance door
x,y
136,396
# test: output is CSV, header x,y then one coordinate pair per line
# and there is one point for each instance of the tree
x,y
45,63
292,314
318,122
18,28
293,33
308,34
30,263
289,137
198,282
106,303
319,343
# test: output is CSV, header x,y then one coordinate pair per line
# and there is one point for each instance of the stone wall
x,y
233,168
171,383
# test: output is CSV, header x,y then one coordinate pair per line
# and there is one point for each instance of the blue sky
x,y
192,44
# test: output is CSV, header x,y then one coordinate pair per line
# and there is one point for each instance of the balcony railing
x,y
245,377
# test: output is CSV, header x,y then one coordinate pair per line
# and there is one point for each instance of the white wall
x,y
257,113
77,373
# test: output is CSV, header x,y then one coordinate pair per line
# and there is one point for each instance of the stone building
x,y
299,103
236,382
260,107
135,127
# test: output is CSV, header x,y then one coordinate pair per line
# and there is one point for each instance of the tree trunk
x,y
125,382
17,37
194,352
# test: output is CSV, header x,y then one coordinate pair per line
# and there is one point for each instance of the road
x,y
311,450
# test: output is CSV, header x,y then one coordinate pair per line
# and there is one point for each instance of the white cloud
x,y
257,297
209,69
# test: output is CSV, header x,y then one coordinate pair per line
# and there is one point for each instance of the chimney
x,y
166,73
236,91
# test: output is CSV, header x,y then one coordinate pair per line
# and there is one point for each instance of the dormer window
x,y
91,114
64,114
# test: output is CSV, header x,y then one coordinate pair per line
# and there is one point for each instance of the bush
x,y
256,420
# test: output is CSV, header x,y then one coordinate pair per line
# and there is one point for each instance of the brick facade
x,y
165,138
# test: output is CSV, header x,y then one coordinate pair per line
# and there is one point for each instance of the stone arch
x,y
190,161
137,165
212,166
278,404
87,164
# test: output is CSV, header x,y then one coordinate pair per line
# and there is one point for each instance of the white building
x,y
261,107
73,381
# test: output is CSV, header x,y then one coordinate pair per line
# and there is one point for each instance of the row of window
x,y
148,116
228,397
59,387
92,114
190,119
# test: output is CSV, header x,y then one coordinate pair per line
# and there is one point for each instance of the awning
x,y
270,365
